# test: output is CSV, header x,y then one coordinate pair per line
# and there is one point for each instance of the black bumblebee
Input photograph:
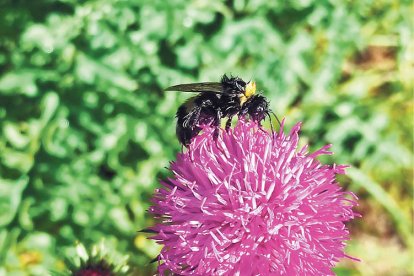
x,y
216,100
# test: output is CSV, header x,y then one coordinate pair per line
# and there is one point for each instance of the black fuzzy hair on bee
x,y
230,97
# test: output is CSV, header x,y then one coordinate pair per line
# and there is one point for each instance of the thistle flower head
x,y
251,203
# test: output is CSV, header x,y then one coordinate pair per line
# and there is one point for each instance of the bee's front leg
x,y
216,124
228,123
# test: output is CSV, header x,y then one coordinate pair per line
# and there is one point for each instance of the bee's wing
x,y
214,87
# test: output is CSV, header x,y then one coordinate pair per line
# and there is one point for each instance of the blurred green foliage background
x,y
86,130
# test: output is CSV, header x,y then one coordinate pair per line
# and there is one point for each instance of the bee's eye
x,y
240,84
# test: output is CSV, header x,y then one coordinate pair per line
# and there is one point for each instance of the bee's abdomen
x,y
203,109
184,131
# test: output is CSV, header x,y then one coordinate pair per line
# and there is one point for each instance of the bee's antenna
x,y
271,126
271,123
276,118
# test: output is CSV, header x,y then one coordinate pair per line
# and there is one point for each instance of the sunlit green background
x,y
86,130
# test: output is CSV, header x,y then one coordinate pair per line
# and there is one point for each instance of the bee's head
x,y
237,86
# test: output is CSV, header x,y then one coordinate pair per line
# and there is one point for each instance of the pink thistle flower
x,y
248,203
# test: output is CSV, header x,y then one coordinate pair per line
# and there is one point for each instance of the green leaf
x,y
10,198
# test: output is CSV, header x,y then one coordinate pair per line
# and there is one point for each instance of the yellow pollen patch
x,y
250,90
